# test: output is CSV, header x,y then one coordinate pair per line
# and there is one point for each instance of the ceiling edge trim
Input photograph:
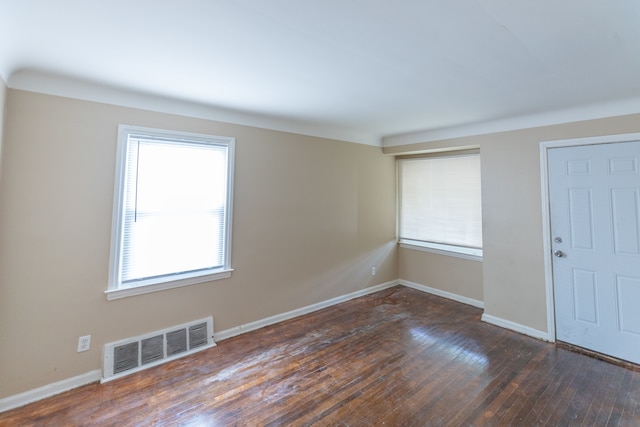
x,y
585,112
58,85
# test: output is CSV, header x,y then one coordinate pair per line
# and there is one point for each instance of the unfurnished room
x,y
327,213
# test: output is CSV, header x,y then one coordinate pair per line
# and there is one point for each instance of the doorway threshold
x,y
600,356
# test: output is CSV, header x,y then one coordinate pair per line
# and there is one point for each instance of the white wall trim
x,y
516,327
252,326
441,293
546,210
49,390
60,85
40,393
546,244
604,139
548,118
463,253
507,324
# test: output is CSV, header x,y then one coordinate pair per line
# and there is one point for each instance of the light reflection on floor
x,y
202,421
463,354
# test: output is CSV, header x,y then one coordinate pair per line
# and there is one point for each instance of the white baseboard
x,y
40,393
49,390
238,330
441,293
507,324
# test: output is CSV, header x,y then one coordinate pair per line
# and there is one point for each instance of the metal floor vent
x,y
136,353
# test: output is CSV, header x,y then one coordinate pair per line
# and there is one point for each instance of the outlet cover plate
x,y
84,343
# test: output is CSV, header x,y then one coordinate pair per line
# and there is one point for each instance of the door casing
x,y
546,212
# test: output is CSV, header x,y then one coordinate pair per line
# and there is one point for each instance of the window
x,y
440,203
172,210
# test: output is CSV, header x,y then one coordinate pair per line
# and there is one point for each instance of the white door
x,y
594,194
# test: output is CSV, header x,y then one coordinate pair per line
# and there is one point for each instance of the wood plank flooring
x,y
395,358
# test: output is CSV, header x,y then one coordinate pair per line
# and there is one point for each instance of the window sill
x,y
471,254
113,294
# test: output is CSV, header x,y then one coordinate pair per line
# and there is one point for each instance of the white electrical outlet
x,y
84,343
373,271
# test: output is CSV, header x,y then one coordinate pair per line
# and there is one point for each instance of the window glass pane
x,y
440,200
174,208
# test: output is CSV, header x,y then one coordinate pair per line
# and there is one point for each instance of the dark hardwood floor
x,y
395,358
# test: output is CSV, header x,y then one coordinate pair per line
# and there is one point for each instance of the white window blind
x,y
440,200
173,208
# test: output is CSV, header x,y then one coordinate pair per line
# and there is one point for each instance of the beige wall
x,y
513,266
458,276
311,217
3,96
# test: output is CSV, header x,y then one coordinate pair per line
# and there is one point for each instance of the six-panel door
x,y
595,223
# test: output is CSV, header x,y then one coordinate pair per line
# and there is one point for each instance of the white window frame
x,y
115,288
464,252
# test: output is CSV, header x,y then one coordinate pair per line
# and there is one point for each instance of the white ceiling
x,y
363,69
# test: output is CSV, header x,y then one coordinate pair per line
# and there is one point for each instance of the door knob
x,y
558,253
